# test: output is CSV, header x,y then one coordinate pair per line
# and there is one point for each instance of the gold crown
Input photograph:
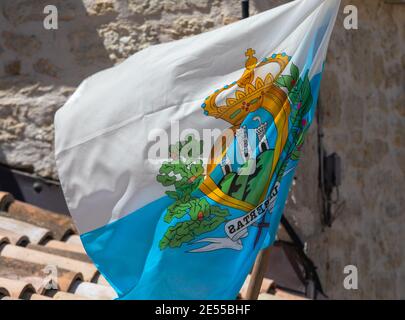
x,y
249,96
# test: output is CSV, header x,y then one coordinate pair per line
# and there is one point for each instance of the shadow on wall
x,y
363,121
31,54
263,5
8,182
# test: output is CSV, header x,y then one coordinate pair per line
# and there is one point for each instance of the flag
x,y
176,163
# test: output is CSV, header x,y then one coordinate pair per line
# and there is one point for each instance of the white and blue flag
x,y
176,163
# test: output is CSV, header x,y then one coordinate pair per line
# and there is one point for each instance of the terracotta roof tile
x,y
61,225
35,296
64,253
4,293
17,288
55,244
3,239
35,234
74,239
62,295
93,290
12,237
37,274
88,270
101,280
35,241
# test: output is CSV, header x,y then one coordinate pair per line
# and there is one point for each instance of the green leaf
x,y
176,210
186,231
294,96
295,93
296,155
173,194
166,167
215,210
306,89
196,169
306,106
195,210
204,205
285,81
180,168
176,235
186,172
208,225
166,180
295,73
280,169
300,140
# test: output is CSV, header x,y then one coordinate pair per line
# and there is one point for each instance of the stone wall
x,y
362,109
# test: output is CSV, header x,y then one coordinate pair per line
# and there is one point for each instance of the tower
x,y
261,134
243,143
226,165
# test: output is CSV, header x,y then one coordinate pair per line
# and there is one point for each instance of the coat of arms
x,y
264,100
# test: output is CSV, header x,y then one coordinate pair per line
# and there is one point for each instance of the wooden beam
x,y
257,275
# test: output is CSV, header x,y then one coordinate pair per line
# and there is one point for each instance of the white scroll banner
x,y
237,228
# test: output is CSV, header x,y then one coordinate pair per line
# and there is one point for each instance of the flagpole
x,y
245,9
261,262
257,275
